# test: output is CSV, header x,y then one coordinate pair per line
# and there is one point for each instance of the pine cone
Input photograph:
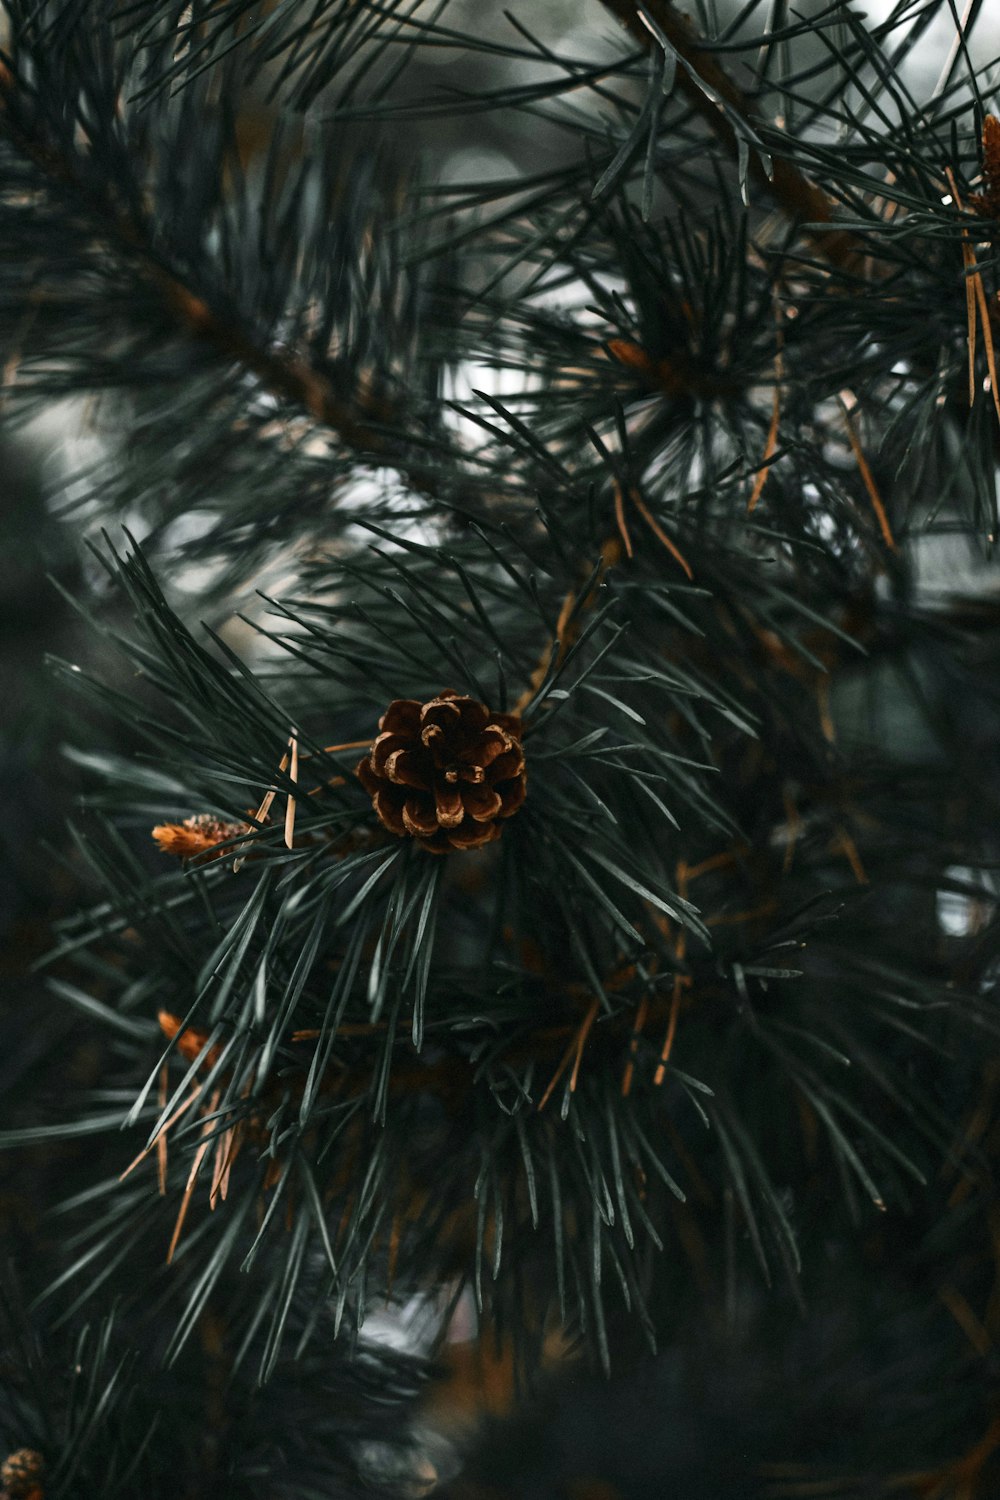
x,y
446,772
21,1474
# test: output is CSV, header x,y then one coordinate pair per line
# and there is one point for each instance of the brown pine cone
x,y
445,772
21,1474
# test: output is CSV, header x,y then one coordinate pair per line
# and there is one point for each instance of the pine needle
x,y
848,401
161,1139
640,1022
658,531
620,519
290,805
683,879
668,1041
181,1110
975,298
991,363
199,1157
769,450
574,1050
770,447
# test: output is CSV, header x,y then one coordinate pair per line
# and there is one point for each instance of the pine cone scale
x,y
404,768
418,820
391,813
448,805
482,803
512,795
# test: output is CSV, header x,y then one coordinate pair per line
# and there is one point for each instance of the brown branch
x,y
284,374
799,197
568,627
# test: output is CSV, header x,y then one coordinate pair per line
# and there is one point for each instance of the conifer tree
x,y
533,882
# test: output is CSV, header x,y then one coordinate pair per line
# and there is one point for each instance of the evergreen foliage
x,y
692,1067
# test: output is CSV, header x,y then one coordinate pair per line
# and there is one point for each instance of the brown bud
x,y
445,772
21,1474
198,837
193,1041
987,200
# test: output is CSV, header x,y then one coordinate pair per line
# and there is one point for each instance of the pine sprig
x,y
97,1420
318,1002
293,369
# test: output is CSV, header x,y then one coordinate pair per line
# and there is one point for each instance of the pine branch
x,y
142,302
98,1415
368,1014
707,87
287,376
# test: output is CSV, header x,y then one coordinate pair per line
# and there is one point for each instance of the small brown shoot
x,y
823,708
683,879
975,299
966,1319
770,446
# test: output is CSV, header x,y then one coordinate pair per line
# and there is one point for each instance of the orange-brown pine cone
x,y
445,772
21,1474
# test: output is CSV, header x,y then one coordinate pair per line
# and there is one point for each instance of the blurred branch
x,y
657,24
287,375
